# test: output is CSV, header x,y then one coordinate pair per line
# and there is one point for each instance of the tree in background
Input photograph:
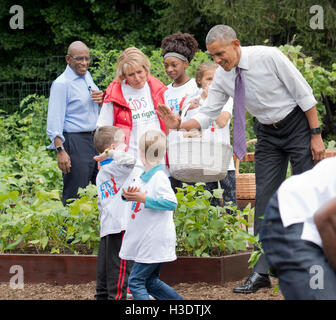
x,y
50,26
109,26
278,22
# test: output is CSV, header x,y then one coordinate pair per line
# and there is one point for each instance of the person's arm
x,y
226,114
325,220
56,112
55,123
160,204
316,144
207,113
301,91
120,156
106,116
223,119
63,159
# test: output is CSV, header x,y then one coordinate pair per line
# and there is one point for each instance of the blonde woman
x,y
131,100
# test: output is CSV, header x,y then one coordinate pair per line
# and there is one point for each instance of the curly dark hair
x,y
182,43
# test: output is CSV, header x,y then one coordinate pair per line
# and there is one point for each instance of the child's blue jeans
x,y
144,281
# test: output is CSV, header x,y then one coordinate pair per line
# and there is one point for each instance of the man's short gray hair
x,y
220,32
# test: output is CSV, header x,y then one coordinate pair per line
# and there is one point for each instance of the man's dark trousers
x,y
81,151
288,140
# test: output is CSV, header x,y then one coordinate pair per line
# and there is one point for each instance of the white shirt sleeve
x,y
106,117
163,189
228,106
214,103
293,80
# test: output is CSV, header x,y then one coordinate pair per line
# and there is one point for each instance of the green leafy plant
x,y
43,225
204,230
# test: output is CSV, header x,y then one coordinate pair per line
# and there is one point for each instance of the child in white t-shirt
x,y
218,130
178,50
115,166
150,237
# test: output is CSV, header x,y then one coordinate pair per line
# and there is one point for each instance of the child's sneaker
x,y
129,295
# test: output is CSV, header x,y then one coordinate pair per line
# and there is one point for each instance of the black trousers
x,y
112,272
83,169
276,146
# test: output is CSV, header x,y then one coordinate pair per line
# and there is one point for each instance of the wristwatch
x,y
315,130
60,148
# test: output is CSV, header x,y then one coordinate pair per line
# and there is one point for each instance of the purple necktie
x,y
239,138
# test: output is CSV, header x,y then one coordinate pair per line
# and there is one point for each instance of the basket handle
x,y
237,160
184,110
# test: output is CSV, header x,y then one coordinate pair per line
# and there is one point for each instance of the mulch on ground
x,y
196,291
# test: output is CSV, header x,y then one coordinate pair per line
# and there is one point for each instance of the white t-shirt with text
x,y
175,97
150,236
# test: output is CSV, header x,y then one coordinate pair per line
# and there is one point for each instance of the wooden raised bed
x,y
74,269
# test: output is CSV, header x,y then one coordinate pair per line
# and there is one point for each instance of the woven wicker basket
x,y
245,182
197,159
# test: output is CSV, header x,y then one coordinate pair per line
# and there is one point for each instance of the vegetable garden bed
x,y
75,269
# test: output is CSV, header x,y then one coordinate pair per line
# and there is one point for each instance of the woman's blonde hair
x,y
130,58
201,69
152,144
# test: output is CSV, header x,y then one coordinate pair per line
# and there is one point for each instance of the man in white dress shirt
x,y
283,103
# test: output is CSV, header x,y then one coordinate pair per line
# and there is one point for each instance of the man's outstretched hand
x,y
171,120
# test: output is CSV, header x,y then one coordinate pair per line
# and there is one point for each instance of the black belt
x,y
283,122
84,132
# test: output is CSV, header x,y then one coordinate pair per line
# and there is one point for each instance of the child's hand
x,y
100,157
134,194
194,103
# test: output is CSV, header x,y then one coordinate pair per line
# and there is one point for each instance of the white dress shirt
x,y
300,196
273,87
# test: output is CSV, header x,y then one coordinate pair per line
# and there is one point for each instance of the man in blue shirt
x,y
74,105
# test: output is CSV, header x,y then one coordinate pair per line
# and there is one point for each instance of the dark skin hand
x,y
325,220
63,159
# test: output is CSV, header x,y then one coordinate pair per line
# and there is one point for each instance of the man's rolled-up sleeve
x,y
213,105
294,81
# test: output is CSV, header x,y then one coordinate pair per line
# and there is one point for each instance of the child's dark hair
x,y
204,66
182,43
107,135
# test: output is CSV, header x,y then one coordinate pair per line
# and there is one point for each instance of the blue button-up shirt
x,y
71,108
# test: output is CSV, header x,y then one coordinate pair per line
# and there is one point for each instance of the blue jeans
x,y
144,281
301,266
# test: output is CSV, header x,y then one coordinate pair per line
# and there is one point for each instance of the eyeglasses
x,y
80,59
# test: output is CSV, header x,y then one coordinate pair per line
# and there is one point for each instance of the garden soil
x,y
197,291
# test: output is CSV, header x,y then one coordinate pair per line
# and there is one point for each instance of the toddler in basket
x,y
150,237
219,129
115,166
